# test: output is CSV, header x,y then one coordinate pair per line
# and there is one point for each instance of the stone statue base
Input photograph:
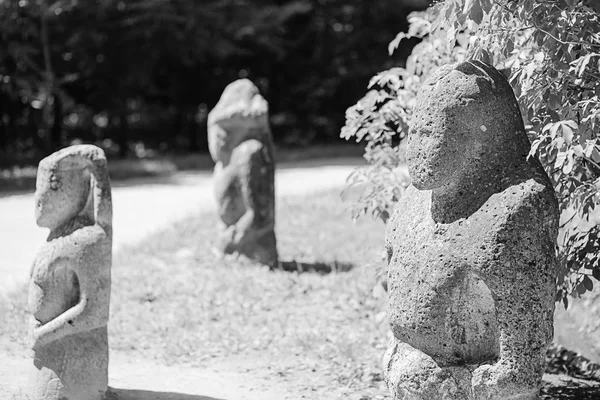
x,y
72,368
412,375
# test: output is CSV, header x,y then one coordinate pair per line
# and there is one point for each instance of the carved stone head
x,y
241,114
466,120
73,182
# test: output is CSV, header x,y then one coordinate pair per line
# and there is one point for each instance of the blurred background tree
x,y
142,75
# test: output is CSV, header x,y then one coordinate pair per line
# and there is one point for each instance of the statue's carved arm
x,y
87,314
253,185
525,325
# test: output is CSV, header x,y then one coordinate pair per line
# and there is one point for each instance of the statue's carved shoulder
x,y
90,236
408,211
72,252
527,236
78,245
252,151
531,204
408,218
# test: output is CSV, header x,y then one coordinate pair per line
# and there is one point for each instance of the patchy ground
x,y
188,325
318,331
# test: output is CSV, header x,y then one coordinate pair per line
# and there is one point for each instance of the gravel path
x,y
147,205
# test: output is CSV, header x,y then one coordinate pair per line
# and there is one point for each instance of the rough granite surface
x,y
240,143
69,289
471,247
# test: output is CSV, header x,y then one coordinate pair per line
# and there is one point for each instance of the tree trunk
x,y
48,84
178,127
192,128
4,105
35,125
3,135
56,130
124,134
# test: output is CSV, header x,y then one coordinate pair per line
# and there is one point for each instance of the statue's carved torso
x,y
444,278
227,192
54,283
250,158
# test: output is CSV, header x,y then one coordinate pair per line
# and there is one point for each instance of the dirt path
x,y
145,380
147,205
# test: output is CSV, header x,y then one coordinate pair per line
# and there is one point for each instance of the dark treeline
x,y
124,72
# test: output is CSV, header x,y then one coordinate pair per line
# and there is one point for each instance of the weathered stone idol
x,y
240,143
69,289
471,247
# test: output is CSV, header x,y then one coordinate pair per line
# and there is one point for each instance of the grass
x,y
175,301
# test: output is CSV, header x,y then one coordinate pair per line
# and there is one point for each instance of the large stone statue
x,y
471,247
240,143
69,289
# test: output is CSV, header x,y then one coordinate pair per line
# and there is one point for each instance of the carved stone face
x,y
436,148
60,195
240,114
465,116
242,90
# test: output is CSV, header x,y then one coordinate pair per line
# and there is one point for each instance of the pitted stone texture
x,y
471,247
240,143
419,373
69,288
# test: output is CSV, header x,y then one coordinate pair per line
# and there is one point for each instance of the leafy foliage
x,y
376,119
550,50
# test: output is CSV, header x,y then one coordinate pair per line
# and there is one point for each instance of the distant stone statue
x,y
471,247
240,143
69,289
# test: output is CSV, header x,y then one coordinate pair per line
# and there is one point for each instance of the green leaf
x,y
476,12
580,64
510,46
560,160
554,102
396,42
595,155
567,166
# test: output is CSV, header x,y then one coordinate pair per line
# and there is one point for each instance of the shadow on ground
x,y
128,394
578,392
564,387
317,267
